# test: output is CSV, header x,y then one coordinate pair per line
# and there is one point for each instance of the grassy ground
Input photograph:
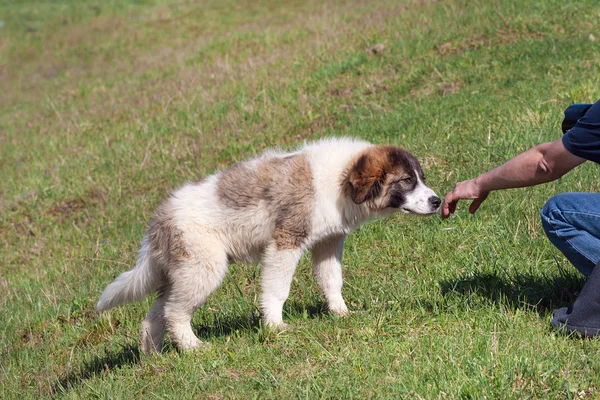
x,y
106,106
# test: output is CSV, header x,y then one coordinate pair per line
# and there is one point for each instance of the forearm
x,y
543,163
529,168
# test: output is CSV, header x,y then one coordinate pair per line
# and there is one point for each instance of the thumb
x,y
449,205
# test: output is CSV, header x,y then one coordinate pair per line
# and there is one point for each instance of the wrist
x,y
480,185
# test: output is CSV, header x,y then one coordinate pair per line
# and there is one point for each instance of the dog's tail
x,y
132,285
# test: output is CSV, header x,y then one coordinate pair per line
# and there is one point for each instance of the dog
x,y
269,209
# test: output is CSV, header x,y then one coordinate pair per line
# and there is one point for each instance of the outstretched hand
x,y
466,190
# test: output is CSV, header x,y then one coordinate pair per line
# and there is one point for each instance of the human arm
x,y
540,164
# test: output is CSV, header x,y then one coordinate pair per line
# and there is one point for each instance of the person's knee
x,y
554,203
547,209
565,202
551,213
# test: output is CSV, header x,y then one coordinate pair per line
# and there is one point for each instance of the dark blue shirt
x,y
583,140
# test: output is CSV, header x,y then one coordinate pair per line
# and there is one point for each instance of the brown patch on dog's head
x,y
373,174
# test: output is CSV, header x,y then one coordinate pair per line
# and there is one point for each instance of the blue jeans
x,y
572,223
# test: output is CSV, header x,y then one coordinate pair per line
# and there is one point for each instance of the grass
x,y
107,106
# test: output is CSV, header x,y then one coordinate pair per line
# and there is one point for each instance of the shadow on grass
x,y
542,293
128,355
296,308
226,326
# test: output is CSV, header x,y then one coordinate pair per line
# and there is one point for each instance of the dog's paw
x,y
149,348
339,309
201,346
197,345
278,326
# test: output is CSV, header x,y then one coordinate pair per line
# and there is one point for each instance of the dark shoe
x,y
584,315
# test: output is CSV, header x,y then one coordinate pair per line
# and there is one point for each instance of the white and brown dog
x,y
269,209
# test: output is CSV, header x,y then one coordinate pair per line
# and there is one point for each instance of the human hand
x,y
466,190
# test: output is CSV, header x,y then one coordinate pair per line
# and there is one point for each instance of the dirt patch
x,y
376,87
445,88
34,335
67,208
99,333
78,205
97,195
23,228
376,50
341,92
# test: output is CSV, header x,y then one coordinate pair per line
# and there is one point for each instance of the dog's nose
x,y
435,201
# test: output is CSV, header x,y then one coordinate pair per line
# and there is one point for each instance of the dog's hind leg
x,y
327,267
276,278
154,327
191,282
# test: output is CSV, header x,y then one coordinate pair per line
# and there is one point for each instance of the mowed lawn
x,y
106,106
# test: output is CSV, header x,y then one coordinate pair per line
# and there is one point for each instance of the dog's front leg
x,y
278,266
327,267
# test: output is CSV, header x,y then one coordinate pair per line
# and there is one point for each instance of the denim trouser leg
x,y
572,223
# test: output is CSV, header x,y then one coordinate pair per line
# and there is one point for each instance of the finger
x,y
449,208
446,205
445,211
476,203
452,206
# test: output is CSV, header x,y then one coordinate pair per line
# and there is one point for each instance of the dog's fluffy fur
x,y
269,209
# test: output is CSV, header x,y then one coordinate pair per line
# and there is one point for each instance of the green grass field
x,y
107,106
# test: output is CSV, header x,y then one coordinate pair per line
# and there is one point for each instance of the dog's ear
x,y
366,177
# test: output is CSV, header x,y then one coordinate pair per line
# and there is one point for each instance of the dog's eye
x,y
403,181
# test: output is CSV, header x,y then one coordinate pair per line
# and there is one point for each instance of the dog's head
x,y
387,177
